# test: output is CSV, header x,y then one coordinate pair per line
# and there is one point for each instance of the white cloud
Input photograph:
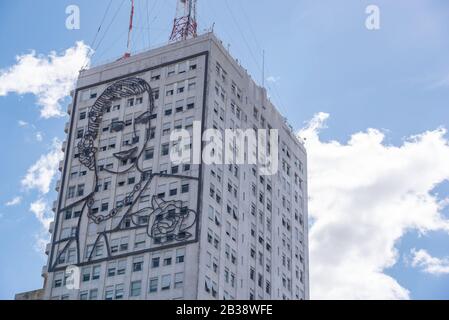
x,y
273,79
42,212
364,196
435,266
44,215
40,175
50,78
39,136
22,123
14,202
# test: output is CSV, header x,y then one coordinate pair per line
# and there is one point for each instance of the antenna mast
x,y
185,24
128,45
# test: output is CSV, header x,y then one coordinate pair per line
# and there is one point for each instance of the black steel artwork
x,y
166,222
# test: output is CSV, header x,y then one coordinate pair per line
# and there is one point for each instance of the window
x,y
136,287
167,261
182,67
190,103
156,94
151,133
80,192
104,206
99,250
155,262
124,244
119,291
268,287
93,294
139,241
155,75
84,295
165,149
68,214
171,70
137,264
166,128
58,280
153,285
149,154
185,188
111,269
109,293
96,272
166,282
192,65
121,267
207,284
211,213
71,193
85,274
179,280
180,255
192,84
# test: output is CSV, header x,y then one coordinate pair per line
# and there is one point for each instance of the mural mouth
x,y
126,155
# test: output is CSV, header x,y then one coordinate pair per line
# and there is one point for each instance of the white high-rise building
x,y
131,224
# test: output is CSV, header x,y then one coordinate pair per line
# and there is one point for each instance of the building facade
x,y
30,295
132,224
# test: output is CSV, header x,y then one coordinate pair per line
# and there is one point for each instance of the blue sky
x,y
319,58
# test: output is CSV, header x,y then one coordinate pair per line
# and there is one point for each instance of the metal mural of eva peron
x,y
164,220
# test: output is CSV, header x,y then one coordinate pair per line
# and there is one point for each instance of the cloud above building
x,y
50,78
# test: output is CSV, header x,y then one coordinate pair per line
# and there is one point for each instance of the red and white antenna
x,y
185,24
128,46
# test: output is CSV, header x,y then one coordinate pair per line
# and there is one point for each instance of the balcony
x,y
58,186
44,271
66,128
54,208
47,249
64,146
69,109
61,165
51,228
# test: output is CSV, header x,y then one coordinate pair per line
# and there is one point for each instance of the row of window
x,y
117,292
114,125
171,70
116,268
